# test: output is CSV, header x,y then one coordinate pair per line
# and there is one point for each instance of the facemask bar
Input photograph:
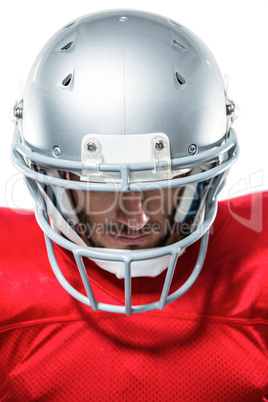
x,y
64,218
228,152
118,255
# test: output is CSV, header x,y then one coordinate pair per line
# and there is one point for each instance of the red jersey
x,y
209,345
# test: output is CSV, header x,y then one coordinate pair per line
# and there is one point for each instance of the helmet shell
x,y
122,73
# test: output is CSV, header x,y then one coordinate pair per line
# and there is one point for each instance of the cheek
x,y
160,204
153,204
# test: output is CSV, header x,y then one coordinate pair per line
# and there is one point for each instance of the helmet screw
x,y
18,112
56,152
91,147
230,108
192,149
159,145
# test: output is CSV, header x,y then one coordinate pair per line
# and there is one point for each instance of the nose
x,y
130,211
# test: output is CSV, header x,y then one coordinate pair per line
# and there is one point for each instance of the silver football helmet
x,y
124,101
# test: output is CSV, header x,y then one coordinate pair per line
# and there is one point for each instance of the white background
x,y
236,31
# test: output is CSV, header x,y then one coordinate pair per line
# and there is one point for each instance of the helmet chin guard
x,y
135,102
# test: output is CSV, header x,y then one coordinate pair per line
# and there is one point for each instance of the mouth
x,y
131,240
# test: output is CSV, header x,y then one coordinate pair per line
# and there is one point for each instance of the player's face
x,y
130,220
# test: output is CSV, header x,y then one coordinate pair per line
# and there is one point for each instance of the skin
x,y
131,220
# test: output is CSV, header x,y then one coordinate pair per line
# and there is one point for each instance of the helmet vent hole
x,y
67,46
180,79
178,45
67,80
